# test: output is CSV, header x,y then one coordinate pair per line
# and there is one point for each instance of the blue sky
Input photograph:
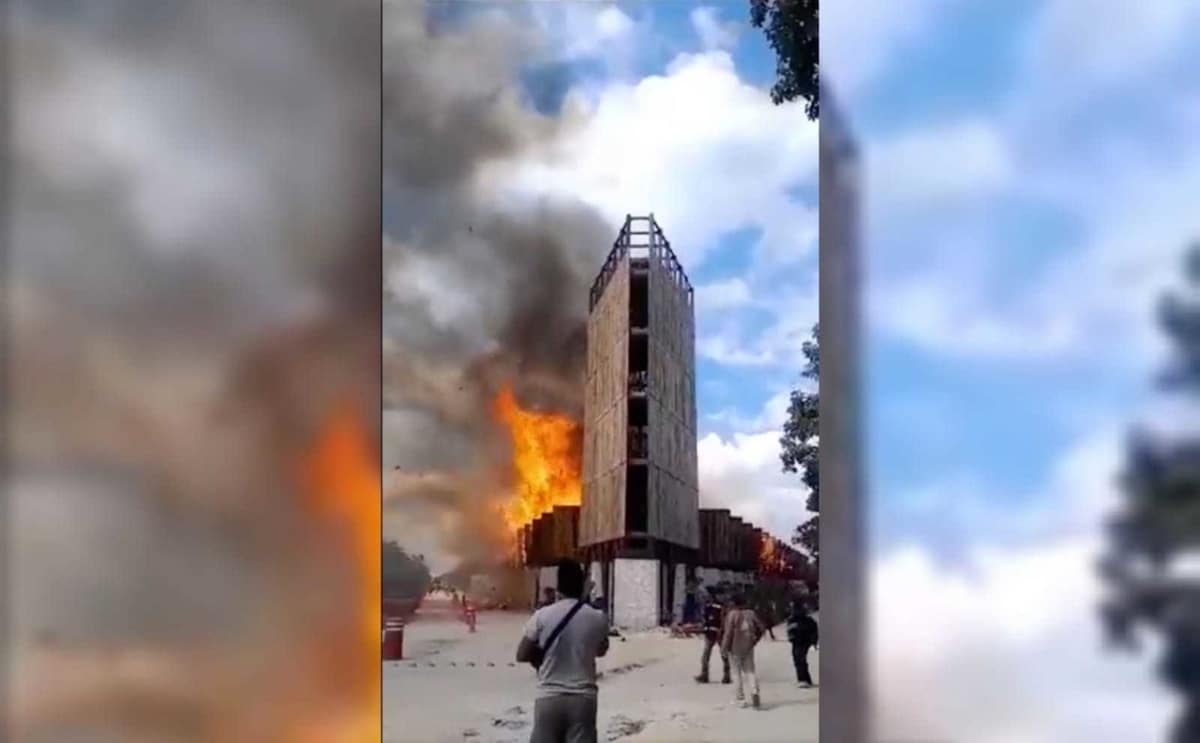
x,y
1030,172
1007,238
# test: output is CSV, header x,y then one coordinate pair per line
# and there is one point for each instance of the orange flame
x,y
342,477
545,459
773,556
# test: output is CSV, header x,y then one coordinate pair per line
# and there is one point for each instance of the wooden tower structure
x,y
639,522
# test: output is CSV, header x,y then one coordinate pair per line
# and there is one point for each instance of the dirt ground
x,y
457,686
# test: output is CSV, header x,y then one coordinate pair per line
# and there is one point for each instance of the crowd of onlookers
x,y
732,624
570,629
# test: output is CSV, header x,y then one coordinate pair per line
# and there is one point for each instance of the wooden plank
x,y
602,516
565,522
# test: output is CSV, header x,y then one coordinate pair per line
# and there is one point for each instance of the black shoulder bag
x,y
539,652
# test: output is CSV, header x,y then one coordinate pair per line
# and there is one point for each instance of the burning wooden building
x,y
639,527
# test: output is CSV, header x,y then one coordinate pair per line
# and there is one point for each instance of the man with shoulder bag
x,y
562,641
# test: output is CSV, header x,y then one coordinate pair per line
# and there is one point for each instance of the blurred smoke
x,y
482,288
192,268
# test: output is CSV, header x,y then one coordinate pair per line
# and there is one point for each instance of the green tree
x,y
800,444
405,576
1159,521
791,30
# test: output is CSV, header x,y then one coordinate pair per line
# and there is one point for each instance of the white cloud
x,y
583,30
722,295
1010,641
713,33
709,155
742,473
928,167
706,152
1011,645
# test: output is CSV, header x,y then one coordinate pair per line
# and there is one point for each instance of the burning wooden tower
x,y
639,523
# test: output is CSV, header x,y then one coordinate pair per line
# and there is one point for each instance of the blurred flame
x,y
545,458
342,475
773,558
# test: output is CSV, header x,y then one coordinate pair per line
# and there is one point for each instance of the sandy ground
x,y
458,686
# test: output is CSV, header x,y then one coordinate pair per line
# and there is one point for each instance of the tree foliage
x,y
791,30
800,443
1159,521
405,576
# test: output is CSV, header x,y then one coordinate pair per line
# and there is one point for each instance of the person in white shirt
x,y
567,636
742,631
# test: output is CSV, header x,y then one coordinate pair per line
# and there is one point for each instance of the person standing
x,y
802,634
714,615
766,612
689,605
741,632
562,641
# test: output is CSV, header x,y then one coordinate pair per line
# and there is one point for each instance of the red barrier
x,y
393,639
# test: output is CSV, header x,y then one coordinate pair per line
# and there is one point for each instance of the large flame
x,y
342,475
546,460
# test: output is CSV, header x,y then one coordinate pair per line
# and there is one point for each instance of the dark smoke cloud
x,y
192,285
481,289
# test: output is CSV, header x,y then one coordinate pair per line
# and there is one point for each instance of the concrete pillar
x,y
548,576
531,586
597,578
680,593
635,597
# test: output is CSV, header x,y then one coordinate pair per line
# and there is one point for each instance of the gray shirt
x,y
569,667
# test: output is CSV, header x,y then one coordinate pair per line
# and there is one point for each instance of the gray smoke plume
x,y
192,288
481,289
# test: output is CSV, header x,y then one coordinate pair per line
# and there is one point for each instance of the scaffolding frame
x,y
640,239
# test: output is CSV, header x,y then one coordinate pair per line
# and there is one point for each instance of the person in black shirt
x,y
802,634
714,617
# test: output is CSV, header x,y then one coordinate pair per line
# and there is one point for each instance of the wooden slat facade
x,y
707,550
553,536
605,410
724,541
674,492
735,543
